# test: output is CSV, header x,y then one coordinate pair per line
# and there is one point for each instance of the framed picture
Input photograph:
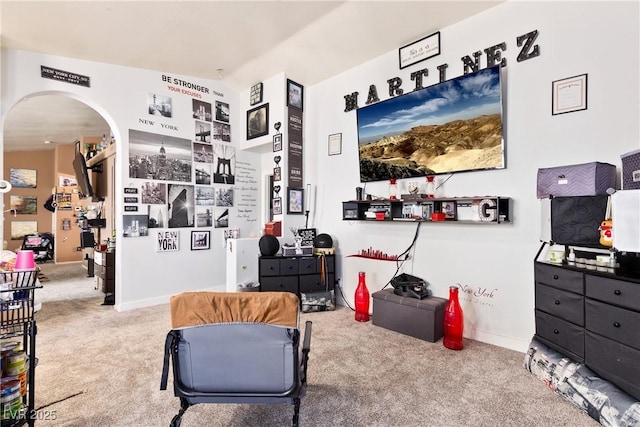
x,y
295,200
295,94
24,204
200,240
449,210
19,229
23,178
335,144
277,206
277,173
255,96
425,48
569,95
258,121
277,142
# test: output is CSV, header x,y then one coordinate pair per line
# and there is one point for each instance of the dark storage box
x,y
588,179
631,170
419,318
576,220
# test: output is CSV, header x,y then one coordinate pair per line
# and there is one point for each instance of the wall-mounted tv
x,y
453,126
81,172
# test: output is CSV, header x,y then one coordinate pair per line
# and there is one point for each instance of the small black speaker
x,y
87,240
269,245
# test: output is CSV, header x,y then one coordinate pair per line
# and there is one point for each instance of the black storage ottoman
x,y
419,318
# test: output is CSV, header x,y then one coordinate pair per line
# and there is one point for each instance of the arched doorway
x,y
39,134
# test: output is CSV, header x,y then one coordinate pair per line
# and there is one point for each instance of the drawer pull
x,y
555,331
555,277
617,292
557,302
270,268
616,324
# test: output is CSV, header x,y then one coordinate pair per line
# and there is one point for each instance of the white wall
x,y
597,38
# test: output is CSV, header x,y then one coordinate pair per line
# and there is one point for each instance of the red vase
x,y
362,299
453,321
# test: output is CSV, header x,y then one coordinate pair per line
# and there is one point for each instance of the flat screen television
x,y
453,126
81,172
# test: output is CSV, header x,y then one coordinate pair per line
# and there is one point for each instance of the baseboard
x,y
163,299
512,343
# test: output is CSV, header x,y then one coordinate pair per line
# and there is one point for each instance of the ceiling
x,y
237,42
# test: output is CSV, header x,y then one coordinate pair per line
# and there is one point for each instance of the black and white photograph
x,y
205,196
202,131
159,105
159,157
221,132
221,217
277,206
157,216
201,110
200,240
204,216
224,196
135,225
222,112
203,173
202,153
224,164
154,193
258,121
180,206
295,94
277,142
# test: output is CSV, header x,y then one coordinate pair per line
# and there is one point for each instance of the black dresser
x,y
295,273
591,317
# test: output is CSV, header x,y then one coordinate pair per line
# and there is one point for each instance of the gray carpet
x,y
98,367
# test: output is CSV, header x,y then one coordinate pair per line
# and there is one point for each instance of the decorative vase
x,y
362,299
453,321
431,187
393,189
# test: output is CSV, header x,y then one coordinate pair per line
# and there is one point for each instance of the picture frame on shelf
x,y
200,240
295,200
449,210
295,94
569,95
258,121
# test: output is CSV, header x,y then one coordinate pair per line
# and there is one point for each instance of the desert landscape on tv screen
x,y
452,126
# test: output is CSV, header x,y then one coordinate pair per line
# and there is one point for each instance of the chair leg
x,y
296,412
177,420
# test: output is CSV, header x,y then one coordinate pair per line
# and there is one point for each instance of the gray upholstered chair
x,y
239,347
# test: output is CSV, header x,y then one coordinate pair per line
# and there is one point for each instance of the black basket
x,y
16,297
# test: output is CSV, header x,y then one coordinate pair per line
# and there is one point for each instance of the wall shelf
x,y
461,210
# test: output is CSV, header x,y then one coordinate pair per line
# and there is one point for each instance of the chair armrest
x,y
306,347
306,343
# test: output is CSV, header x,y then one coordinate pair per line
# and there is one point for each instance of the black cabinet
x,y
296,274
591,317
105,272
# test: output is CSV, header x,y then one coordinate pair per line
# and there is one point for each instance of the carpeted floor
x,y
98,367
